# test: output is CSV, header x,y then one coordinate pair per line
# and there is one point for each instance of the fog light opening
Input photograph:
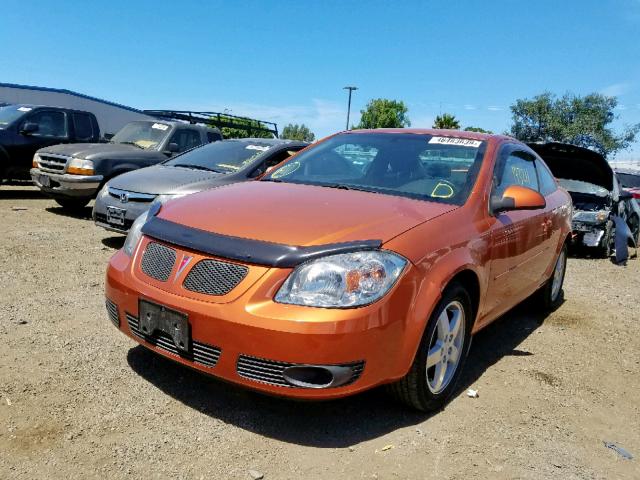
x,y
317,376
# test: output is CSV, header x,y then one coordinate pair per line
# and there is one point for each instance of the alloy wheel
x,y
445,347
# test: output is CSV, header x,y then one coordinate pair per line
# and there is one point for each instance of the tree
x,y
384,113
583,121
297,132
446,121
477,129
228,132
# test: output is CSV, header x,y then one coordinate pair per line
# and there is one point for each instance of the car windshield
x,y
226,156
10,113
579,186
426,167
142,134
629,180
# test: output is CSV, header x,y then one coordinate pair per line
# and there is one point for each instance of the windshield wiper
x,y
132,143
196,167
271,179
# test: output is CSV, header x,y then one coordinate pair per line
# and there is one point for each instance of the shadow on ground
x,y
331,424
114,242
80,213
21,194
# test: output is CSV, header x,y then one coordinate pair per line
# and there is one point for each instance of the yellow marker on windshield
x,y
442,190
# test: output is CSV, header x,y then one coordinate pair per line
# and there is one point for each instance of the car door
x,y
516,236
51,130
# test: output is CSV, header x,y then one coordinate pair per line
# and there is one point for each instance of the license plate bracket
x,y
154,317
116,215
45,181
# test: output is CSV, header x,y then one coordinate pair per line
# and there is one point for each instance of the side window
x,y
548,184
186,139
515,168
83,126
50,124
213,137
271,162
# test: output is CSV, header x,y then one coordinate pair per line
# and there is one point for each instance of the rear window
x,y
426,167
629,180
83,126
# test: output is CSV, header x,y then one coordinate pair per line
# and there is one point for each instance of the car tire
x,y
551,295
73,204
428,388
606,248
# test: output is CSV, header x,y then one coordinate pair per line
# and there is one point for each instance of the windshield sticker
x,y
24,109
160,126
257,147
287,169
458,142
442,190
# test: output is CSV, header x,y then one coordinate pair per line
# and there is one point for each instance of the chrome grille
x,y
201,353
271,371
126,196
112,311
212,277
157,261
51,162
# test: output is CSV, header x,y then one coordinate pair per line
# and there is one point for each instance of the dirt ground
x,y
78,399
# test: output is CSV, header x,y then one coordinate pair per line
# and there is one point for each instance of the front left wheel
x,y
441,354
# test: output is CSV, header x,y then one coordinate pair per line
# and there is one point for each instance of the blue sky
x,y
287,61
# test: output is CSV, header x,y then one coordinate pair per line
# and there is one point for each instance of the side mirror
x,y
173,147
516,197
28,128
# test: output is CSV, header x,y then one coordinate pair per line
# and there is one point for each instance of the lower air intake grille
x,y
271,371
112,311
158,261
201,353
213,277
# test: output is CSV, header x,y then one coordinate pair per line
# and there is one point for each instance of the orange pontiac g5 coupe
x,y
368,258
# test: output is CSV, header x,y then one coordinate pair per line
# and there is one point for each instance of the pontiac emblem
x,y
185,261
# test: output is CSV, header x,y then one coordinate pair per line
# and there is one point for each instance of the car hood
x,y
159,180
575,163
93,151
300,215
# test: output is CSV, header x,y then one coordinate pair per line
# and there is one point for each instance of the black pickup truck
x,y
24,129
73,174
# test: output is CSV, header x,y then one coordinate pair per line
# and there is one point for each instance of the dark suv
x,y
24,129
73,174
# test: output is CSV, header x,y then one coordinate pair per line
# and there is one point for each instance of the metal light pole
x,y
351,89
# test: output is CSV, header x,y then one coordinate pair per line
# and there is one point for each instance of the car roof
x,y
436,131
627,170
33,106
269,141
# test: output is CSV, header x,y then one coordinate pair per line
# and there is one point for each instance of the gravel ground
x,y
80,400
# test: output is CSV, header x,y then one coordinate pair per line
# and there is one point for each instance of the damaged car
x,y
602,209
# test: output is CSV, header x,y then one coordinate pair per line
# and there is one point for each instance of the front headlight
x,y
104,191
34,162
591,217
78,166
343,280
135,234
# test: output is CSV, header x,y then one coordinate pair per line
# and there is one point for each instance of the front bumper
x,y
249,330
588,234
133,210
64,184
